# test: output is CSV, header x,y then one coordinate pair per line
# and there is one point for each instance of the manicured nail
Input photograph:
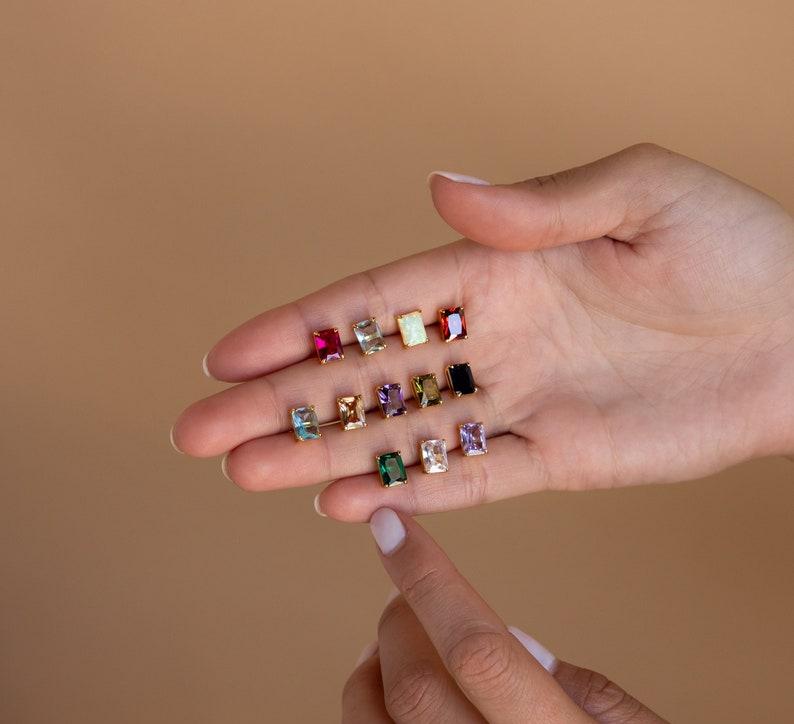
x,y
317,507
225,467
173,444
387,529
204,366
369,650
392,595
544,657
459,178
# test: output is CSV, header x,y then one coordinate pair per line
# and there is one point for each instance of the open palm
x,y
629,321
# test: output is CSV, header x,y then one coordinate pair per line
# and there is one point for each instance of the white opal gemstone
x,y
412,328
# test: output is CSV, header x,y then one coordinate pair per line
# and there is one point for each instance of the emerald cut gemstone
x,y
452,322
425,388
391,469
433,454
472,439
328,345
461,380
390,399
369,336
352,414
412,328
305,424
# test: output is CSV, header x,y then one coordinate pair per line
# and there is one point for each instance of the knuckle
x,y
602,698
422,584
414,693
481,659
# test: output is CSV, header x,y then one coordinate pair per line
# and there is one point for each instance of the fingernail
x,y
387,529
317,507
392,595
369,650
225,467
204,366
544,657
173,444
459,178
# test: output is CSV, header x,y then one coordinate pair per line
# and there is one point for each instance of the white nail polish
x,y
459,178
173,444
225,467
369,650
204,366
393,593
544,657
317,507
387,529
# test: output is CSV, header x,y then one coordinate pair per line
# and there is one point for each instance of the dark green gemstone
x,y
391,469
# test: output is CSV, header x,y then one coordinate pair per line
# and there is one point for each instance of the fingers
x,y
489,665
279,461
511,467
261,407
603,700
416,686
612,197
362,697
283,336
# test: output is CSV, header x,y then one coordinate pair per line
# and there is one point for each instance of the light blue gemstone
x,y
305,423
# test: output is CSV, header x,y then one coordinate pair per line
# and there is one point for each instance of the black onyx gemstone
x,y
461,380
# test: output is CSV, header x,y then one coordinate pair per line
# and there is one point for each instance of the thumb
x,y
609,197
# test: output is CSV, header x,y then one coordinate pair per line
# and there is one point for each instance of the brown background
x,y
170,169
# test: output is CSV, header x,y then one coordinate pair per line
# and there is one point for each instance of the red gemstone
x,y
328,345
453,323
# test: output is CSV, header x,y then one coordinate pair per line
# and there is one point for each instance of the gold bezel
x,y
300,439
454,339
416,393
452,387
422,460
469,455
402,336
316,333
357,426
372,351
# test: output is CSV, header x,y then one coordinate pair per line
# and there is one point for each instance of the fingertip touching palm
x,y
630,321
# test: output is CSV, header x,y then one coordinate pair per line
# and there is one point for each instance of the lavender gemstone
x,y
472,439
390,398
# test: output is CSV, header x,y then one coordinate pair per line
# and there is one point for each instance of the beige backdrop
x,y
170,169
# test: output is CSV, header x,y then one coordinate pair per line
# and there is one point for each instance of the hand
x,y
443,655
630,321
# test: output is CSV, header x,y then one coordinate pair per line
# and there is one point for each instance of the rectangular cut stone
x,y
391,469
412,328
472,439
452,323
461,380
369,336
328,345
390,399
433,454
426,390
351,412
305,424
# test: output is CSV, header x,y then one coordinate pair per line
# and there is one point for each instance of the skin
x,y
630,321
443,655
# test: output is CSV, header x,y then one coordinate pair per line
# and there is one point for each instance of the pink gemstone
x,y
328,345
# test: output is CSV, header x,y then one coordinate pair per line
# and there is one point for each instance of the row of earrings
x,y
432,455
328,343
352,414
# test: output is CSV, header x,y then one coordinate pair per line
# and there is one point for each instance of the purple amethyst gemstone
x,y
472,439
390,399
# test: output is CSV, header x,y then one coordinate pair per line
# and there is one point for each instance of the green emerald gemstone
x,y
391,469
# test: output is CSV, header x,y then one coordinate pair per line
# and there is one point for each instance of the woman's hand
x,y
443,655
630,321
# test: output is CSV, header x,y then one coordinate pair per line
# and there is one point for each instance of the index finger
x,y
283,336
488,663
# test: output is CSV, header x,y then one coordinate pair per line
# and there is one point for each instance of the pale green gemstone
x,y
412,328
